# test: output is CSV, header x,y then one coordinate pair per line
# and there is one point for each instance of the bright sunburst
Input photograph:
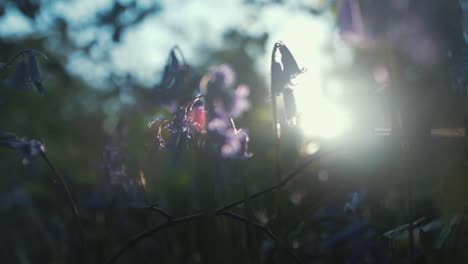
x,y
319,116
316,48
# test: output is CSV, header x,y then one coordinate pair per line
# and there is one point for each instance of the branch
x,y
222,211
170,223
71,201
159,210
137,238
326,197
282,183
264,229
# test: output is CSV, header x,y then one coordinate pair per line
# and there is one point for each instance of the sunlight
x,y
320,116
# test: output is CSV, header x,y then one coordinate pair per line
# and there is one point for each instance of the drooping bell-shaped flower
x,y
28,74
284,69
20,79
35,75
26,148
223,104
198,120
178,81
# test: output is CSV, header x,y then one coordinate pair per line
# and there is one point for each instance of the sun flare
x,y
319,115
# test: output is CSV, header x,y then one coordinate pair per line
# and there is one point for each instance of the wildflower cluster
x,y
224,104
206,117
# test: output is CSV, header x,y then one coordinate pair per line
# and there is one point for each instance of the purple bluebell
x,y
26,148
235,144
223,75
178,81
28,74
284,68
221,99
290,67
179,130
20,79
35,75
223,104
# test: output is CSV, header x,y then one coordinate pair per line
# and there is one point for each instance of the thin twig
x,y
71,201
161,211
326,197
222,211
264,229
12,59
283,182
170,223
137,238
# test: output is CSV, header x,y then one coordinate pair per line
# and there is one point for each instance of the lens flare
x,y
319,116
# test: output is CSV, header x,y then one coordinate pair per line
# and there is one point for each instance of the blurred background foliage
x,y
94,99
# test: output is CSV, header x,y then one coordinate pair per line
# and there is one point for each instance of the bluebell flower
x,y
174,134
26,148
28,74
178,81
198,116
220,98
35,75
179,130
235,144
284,69
223,104
240,101
289,64
223,74
208,116
20,79
170,72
